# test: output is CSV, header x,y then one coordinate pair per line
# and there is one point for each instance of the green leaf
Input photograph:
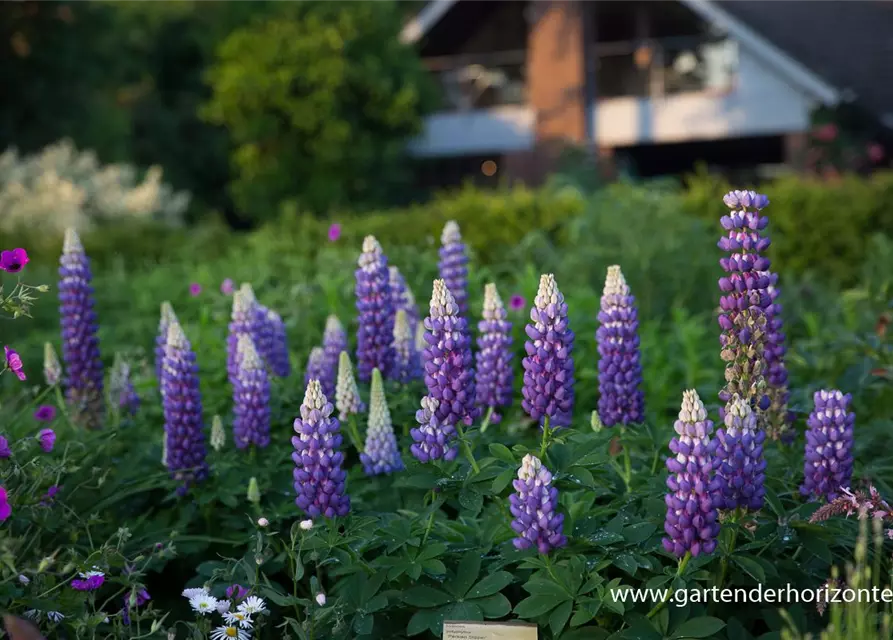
x,y
751,567
535,606
423,596
502,452
637,533
435,567
540,587
774,502
626,562
493,583
431,551
702,627
377,603
421,621
495,606
464,611
558,619
466,574
362,624
472,501
501,481
815,545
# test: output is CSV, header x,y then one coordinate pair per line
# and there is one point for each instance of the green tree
x,y
319,102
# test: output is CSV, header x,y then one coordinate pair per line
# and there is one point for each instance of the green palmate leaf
x,y
626,562
431,551
559,617
588,633
493,583
502,452
637,533
501,481
751,567
535,606
702,627
466,573
377,603
541,587
363,624
422,596
464,611
774,502
424,620
472,501
495,606
434,567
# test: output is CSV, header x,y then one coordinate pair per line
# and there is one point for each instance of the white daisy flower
x,y
204,603
54,616
189,594
223,606
239,619
253,604
228,632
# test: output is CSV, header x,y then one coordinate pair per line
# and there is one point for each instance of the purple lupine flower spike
x,y
279,361
740,466
381,453
245,320
407,364
80,344
121,388
778,417
448,363
621,400
167,316
534,505
453,264
52,368
182,401
316,368
828,464
493,370
549,366
319,478
691,523
347,395
251,398
334,341
433,439
376,313
745,299
403,298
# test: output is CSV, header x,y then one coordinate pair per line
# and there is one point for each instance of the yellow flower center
x,y
231,632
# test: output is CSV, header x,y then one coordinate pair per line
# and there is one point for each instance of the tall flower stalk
x,y
621,400
407,364
740,466
251,398
453,264
246,320
778,417
182,401
493,365
549,365
828,459
347,395
121,390
381,453
534,506
80,343
334,341
167,316
316,370
375,312
403,298
278,360
691,523
319,478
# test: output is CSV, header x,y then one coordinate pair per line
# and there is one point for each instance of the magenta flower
x,y
45,413
517,302
47,438
89,581
14,362
50,496
236,591
334,232
5,509
5,451
226,287
14,260
195,289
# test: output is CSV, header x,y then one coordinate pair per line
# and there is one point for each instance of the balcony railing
x,y
481,81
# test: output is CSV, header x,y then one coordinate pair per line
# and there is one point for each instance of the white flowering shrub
x,y
61,187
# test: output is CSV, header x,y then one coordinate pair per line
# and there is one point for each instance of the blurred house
x,y
658,85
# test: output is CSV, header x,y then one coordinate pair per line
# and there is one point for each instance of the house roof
x,y
849,43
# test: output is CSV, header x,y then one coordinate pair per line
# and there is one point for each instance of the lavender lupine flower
x,y
319,478
828,464
278,357
549,366
433,439
251,398
182,401
534,505
381,453
745,299
493,364
403,298
691,524
453,264
621,400
347,395
80,344
778,418
334,341
121,388
245,320
448,363
316,368
167,317
5,451
52,368
376,313
740,466
407,364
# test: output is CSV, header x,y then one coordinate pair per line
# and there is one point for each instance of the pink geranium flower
x,y
5,509
334,232
14,260
47,439
14,362
45,413
195,289
516,302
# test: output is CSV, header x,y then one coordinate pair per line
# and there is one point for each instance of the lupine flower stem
x,y
486,422
466,450
354,432
724,565
546,434
680,569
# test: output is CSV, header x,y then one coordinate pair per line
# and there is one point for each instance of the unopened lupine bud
x,y
253,493
218,434
80,342
407,366
534,506
549,366
167,316
691,521
493,365
740,466
52,368
828,459
596,422
334,341
121,388
453,265
375,329
381,453
403,298
316,366
347,395
251,397
621,400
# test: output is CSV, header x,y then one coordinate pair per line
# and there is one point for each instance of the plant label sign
x,y
454,630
